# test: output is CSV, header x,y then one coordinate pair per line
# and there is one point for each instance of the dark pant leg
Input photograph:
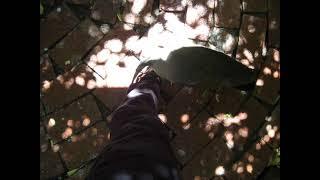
x,y
139,140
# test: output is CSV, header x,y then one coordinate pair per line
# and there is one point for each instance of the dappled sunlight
x,y
93,31
276,56
55,148
51,123
109,136
172,5
252,46
242,41
102,56
258,146
163,118
134,44
70,123
184,118
211,135
271,131
138,5
85,144
266,138
219,171
119,76
248,55
195,13
113,67
67,133
210,4
228,120
272,65
251,158
243,132
260,82
251,28
223,40
86,121
276,74
267,71
80,81
149,19
249,168
211,122
186,126
229,138
240,169
46,85
171,32
68,83
199,19
130,20
80,77
160,43
114,45
137,12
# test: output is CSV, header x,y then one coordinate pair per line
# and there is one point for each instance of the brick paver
x,y
50,164
242,132
46,69
251,164
72,119
274,23
68,52
254,6
82,173
105,11
227,13
226,101
55,26
251,44
194,137
67,87
270,133
185,106
268,83
205,163
90,141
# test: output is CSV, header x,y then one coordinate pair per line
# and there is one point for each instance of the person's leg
x,y
136,118
141,101
139,140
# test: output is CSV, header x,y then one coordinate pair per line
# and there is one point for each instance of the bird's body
x,y
204,67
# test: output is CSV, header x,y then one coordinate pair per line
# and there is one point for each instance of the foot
x,y
146,78
147,74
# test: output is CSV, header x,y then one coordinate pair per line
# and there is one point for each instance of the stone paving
x,y
89,50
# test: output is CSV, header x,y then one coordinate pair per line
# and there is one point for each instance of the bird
x,y
204,67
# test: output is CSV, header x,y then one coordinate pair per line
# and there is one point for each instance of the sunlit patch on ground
x,y
219,170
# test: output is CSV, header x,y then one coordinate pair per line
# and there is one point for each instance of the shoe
x,y
147,74
146,78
